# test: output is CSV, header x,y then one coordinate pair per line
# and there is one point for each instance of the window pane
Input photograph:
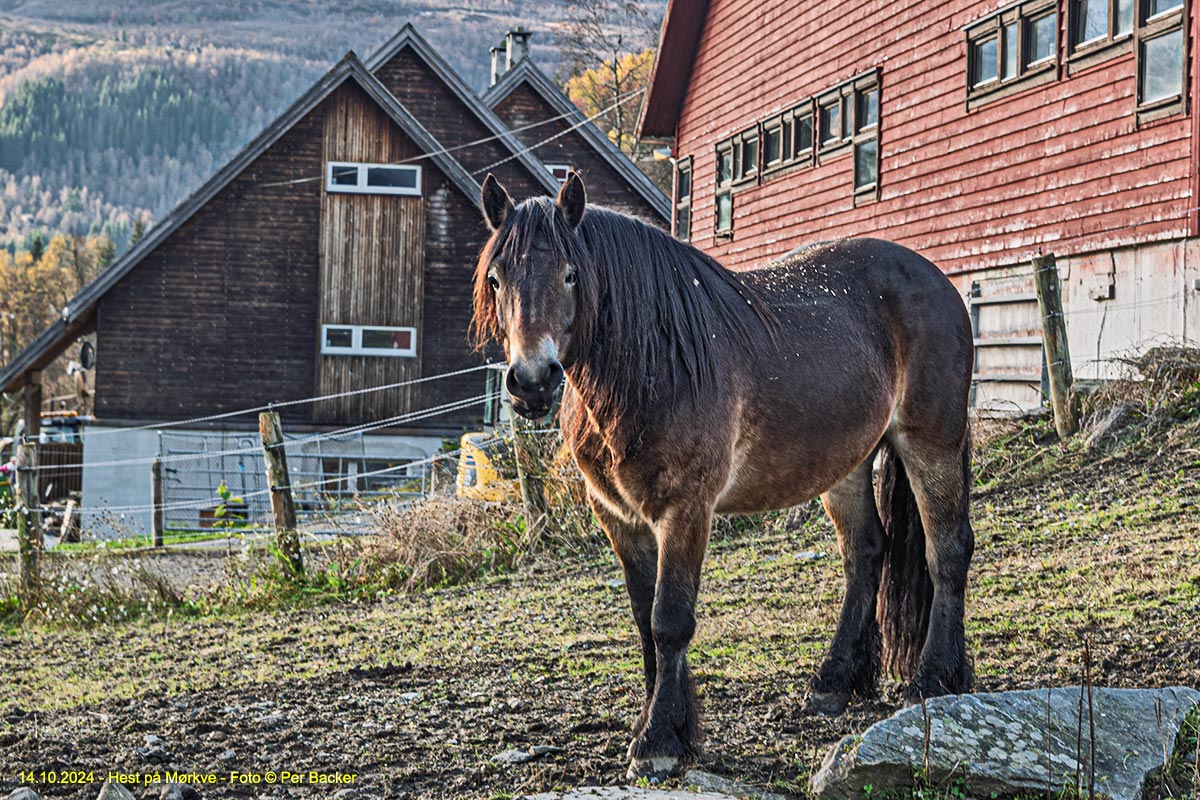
x,y
1091,20
724,166
868,108
1155,7
339,337
724,211
1162,66
983,66
560,171
1010,51
831,123
344,176
772,143
392,177
380,339
804,134
1124,16
847,115
1043,38
683,222
750,155
866,163
685,184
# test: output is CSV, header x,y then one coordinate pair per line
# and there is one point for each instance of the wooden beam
x,y
1054,339
33,405
282,503
29,528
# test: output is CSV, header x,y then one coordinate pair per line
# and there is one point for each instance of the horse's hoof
x,y
827,704
655,769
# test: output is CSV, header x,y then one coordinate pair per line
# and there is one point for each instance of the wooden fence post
x,y
530,474
271,431
156,502
29,527
1054,339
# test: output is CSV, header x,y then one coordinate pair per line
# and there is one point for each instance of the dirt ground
x,y
416,695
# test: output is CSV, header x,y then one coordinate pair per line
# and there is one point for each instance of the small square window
x,y
804,133
1161,68
1091,20
343,175
361,178
1043,38
724,212
868,109
984,54
560,172
1156,7
773,145
866,163
725,165
1124,21
339,338
831,123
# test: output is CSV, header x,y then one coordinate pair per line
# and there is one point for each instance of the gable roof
x,y
682,26
528,72
76,317
408,37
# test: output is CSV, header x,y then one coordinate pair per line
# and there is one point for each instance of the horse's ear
x,y
572,199
496,202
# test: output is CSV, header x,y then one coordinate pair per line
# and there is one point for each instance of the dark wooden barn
x,y
332,255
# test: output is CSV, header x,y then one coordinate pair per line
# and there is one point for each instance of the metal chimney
x,y
512,51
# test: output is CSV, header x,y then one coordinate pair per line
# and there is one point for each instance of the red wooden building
x,y
977,133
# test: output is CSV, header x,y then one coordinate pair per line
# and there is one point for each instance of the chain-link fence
x,y
331,478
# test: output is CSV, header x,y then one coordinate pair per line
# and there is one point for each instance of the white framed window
x,y
559,171
360,178
368,340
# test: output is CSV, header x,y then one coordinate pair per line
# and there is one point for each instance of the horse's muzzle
x,y
532,387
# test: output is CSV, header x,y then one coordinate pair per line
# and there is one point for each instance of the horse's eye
x,y
494,282
570,278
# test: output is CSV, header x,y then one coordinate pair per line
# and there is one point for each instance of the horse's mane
x,y
653,311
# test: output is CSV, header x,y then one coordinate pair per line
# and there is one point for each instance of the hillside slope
x,y
111,111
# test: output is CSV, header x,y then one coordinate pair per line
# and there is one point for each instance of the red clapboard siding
x,y
1063,164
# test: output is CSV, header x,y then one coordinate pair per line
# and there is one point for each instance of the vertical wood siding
x,y
524,106
372,262
1063,166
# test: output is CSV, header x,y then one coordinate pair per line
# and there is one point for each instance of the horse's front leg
x,y
633,542
671,733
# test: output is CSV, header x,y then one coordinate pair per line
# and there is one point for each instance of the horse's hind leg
x,y
938,472
635,546
851,667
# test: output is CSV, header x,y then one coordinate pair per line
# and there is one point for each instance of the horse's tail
x,y
905,588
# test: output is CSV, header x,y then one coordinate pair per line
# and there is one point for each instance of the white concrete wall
x,y
107,486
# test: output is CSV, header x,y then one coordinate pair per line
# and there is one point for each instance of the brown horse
x,y
692,390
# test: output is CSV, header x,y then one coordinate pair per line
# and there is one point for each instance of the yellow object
x,y
478,477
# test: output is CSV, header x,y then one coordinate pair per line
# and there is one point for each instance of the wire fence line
x,y
271,406
487,139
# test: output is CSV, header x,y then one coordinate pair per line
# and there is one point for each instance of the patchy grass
x,y
1075,540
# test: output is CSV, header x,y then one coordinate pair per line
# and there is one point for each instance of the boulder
x,y
997,743
24,793
115,791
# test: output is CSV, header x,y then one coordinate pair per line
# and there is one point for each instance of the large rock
x,y
24,793
115,791
998,743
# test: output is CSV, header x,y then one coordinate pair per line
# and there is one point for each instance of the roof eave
x,y
683,23
527,71
409,37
